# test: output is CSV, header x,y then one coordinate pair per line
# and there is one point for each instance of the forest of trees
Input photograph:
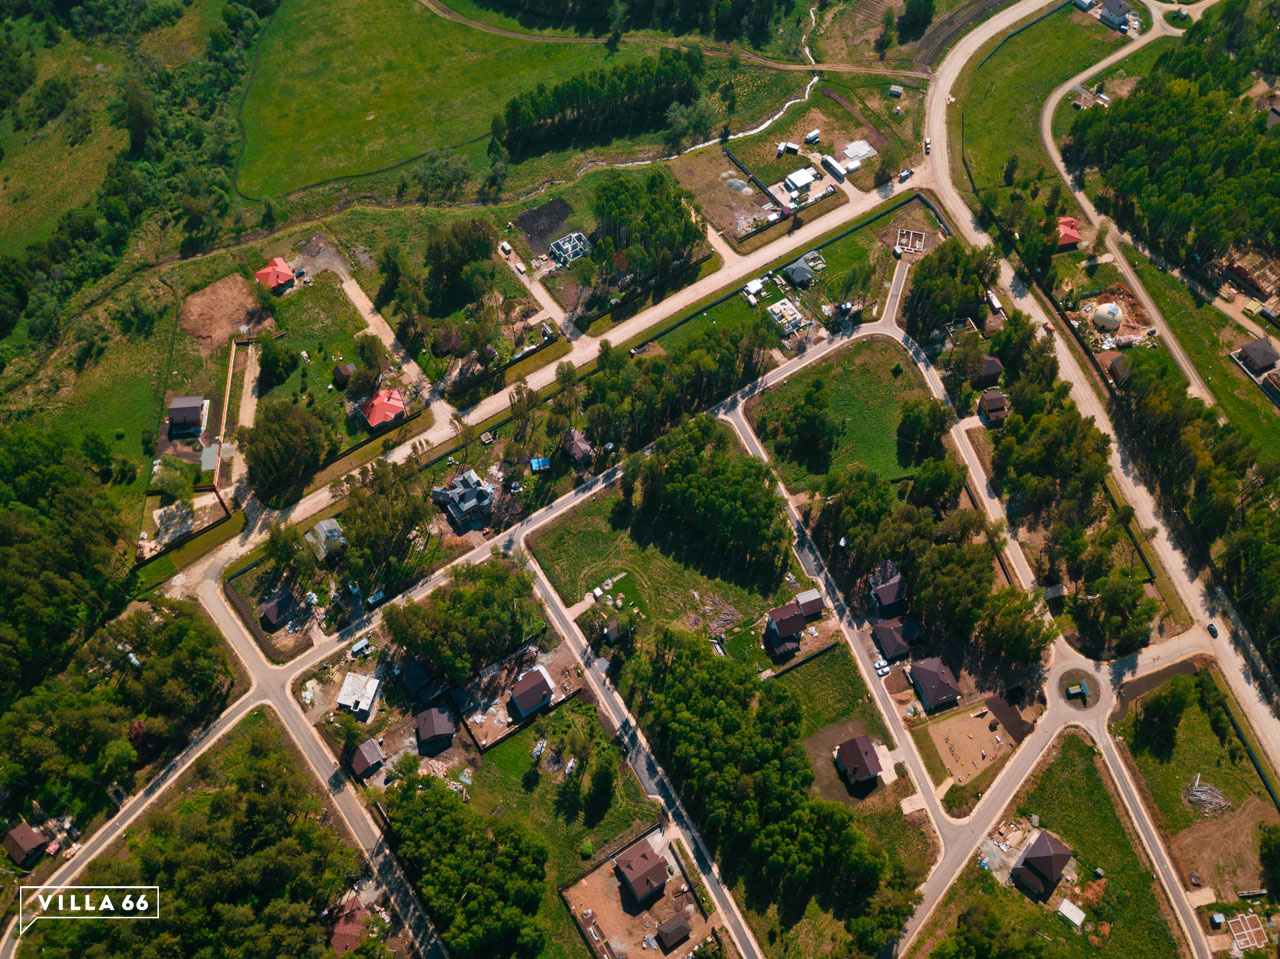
x,y
599,105
131,693
731,745
1187,164
632,399
480,879
699,482
284,447
725,19
244,864
643,228
802,429
182,150
485,613
949,284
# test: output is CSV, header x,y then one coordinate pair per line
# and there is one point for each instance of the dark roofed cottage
x,y
23,843
1042,865
935,683
857,760
783,629
674,931
643,871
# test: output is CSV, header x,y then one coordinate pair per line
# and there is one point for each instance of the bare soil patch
x,y
542,224
827,781
214,315
1223,850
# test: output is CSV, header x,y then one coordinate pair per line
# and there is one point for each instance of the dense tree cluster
x,y
59,539
243,862
731,744
802,429
481,880
485,613
132,693
946,566
631,399
1186,163
286,444
383,523
643,228
182,149
949,284
726,19
599,104
697,481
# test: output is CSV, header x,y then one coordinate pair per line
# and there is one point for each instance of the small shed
x,y
342,374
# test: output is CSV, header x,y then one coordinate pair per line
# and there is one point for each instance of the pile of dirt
x,y
720,615
543,224
223,310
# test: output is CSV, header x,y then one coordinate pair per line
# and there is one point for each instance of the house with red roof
x,y
383,409
276,275
348,926
1068,233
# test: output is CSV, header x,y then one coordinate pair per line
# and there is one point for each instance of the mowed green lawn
x,y
1073,802
1001,101
595,543
831,689
1209,336
346,88
866,401
512,785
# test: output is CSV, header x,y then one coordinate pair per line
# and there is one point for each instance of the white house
x,y
358,693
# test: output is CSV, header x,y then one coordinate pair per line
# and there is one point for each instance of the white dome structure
x,y
1107,316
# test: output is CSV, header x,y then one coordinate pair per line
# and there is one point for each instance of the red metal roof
x,y
1068,230
382,408
275,273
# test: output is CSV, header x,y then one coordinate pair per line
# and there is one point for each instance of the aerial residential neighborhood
x,y
532,479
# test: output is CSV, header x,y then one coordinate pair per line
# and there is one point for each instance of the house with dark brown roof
x,y
577,447
185,415
532,691
989,372
348,926
810,603
674,931
24,844
435,728
895,636
1259,356
367,757
857,760
993,408
934,682
342,374
643,871
276,611
1041,866
889,589
782,630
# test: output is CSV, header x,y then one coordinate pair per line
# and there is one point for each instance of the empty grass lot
x,y
1072,800
512,785
343,89
830,689
1118,80
595,543
866,401
1001,101
1209,336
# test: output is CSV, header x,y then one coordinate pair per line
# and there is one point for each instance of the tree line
x,y
731,745
949,284
485,613
599,105
643,228
130,695
698,482
1186,163
725,19
245,864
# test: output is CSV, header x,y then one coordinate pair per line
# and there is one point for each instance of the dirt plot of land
x,y
1135,689
1223,849
968,743
723,191
484,705
543,224
214,315
608,913
827,781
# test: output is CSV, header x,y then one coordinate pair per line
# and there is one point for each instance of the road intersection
x,y
272,685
